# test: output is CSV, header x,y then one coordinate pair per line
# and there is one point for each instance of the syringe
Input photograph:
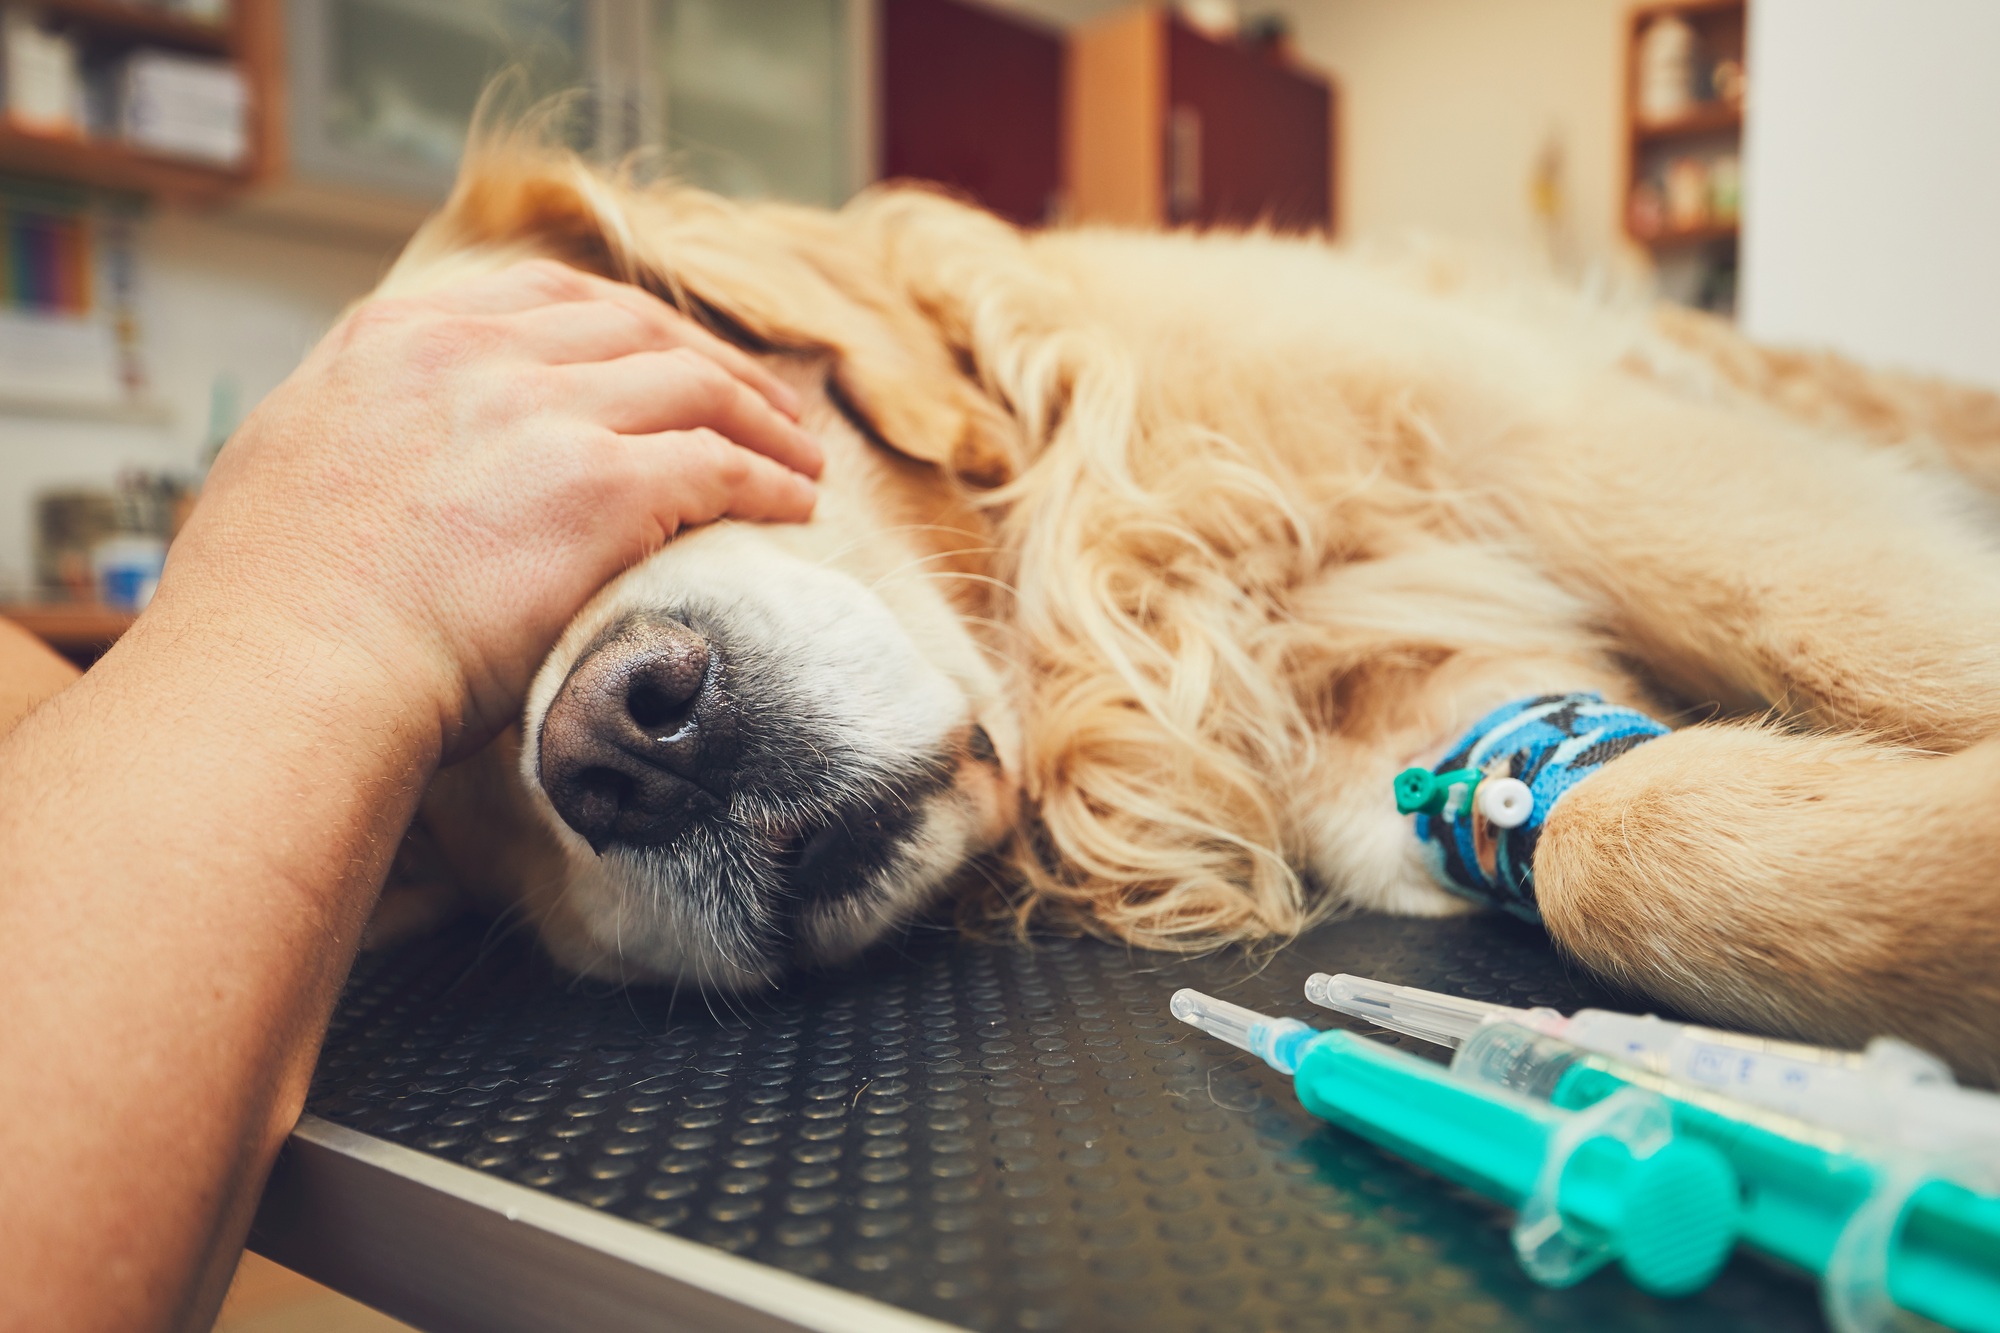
x,y
1891,1094
1878,1229
1610,1182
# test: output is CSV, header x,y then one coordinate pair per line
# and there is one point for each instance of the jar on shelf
x,y
1666,70
1687,194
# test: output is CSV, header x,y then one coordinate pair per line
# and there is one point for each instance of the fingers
x,y
652,392
567,315
628,320
697,476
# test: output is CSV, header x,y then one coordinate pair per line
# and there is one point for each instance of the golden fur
x,y
1253,523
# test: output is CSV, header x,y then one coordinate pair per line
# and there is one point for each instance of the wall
x,y
214,298
1871,202
1446,106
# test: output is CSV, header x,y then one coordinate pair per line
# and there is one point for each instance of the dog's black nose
x,y
640,737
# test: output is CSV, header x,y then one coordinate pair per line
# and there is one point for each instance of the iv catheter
x,y
1611,1182
1890,1096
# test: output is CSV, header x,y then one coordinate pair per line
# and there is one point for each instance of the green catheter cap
x,y
1422,792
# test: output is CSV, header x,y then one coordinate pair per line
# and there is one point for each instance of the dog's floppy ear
x,y
770,276
800,278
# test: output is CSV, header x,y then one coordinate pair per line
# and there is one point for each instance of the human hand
x,y
446,479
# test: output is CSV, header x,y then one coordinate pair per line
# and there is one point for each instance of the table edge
x,y
447,1248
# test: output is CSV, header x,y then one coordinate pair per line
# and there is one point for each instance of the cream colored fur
x,y
1269,522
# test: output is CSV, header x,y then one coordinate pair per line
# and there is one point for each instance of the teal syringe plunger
x,y
1612,1182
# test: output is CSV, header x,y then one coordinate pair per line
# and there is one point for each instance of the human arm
x,y
191,835
30,671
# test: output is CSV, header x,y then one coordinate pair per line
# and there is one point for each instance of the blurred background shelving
x,y
354,111
191,189
75,68
1686,78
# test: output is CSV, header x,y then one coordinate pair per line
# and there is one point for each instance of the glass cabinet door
x,y
755,96
384,90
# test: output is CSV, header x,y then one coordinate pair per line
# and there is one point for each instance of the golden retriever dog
x,y
1145,562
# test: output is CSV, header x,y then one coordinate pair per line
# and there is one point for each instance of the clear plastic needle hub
x,y
1444,1019
1275,1041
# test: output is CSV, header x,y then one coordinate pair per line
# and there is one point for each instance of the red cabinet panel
x,y
1247,139
1167,126
972,99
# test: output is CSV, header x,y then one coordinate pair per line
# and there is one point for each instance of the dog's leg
x,y
1346,825
1754,563
1822,885
1834,885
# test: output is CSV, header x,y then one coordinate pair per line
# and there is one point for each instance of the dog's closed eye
x,y
980,746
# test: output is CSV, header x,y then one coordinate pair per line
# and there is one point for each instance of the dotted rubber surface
x,y
999,1137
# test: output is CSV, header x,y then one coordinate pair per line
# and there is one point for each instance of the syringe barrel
x,y
1492,1143
1712,1058
1890,1091
1511,1056
1803,1182
1667,1212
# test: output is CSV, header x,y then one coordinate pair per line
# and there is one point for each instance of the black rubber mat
x,y
999,1137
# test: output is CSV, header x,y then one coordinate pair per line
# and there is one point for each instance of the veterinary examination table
x,y
956,1134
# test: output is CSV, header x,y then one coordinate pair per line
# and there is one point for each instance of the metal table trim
x,y
453,1250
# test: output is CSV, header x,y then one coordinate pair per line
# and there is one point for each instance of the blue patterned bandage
x,y
1550,743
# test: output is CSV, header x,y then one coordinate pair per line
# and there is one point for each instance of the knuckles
x,y
552,278
646,317
726,463
706,388
411,336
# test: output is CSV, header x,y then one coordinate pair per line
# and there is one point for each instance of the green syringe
x,y
1880,1230
1611,1182
1872,1170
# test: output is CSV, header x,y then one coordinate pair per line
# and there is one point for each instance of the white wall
x,y
1872,181
1447,104
213,297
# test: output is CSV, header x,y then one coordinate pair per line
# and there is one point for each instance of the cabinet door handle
x,y
1183,164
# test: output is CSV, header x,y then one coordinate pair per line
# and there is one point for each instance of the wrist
x,y
338,679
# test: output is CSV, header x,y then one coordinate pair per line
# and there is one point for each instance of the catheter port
x,y
1505,802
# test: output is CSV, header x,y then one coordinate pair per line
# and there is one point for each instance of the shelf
x,y
115,412
1687,9
1714,231
108,19
70,627
113,166
1704,119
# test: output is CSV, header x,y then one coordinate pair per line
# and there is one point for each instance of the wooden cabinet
x,y
103,31
381,92
754,98
358,109
1169,126
1684,80
972,99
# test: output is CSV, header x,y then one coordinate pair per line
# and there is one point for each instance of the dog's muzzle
x,y
642,737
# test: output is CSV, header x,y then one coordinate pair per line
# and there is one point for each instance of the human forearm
x,y
30,672
228,795
190,837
